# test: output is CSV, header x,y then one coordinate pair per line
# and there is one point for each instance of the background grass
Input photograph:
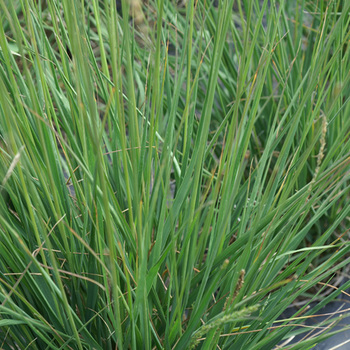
x,y
173,177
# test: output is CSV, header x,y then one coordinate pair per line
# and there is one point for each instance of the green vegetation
x,y
175,181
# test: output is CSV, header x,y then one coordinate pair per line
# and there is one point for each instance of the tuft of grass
x,y
173,176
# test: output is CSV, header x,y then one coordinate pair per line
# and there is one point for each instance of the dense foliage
x,y
173,176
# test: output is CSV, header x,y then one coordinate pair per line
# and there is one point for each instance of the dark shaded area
x,y
340,341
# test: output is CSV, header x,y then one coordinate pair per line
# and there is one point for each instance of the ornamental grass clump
x,y
173,176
